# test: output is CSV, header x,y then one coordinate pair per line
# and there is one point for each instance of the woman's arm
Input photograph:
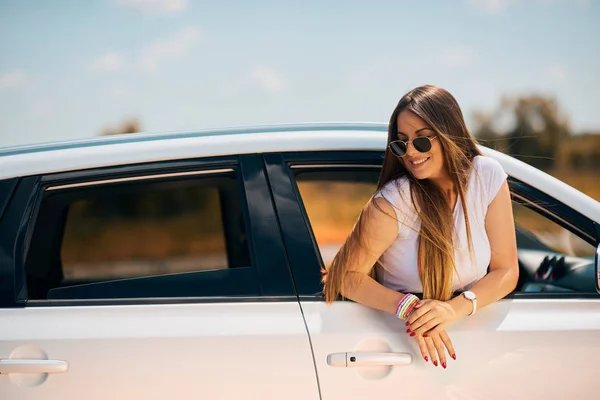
x,y
504,265
380,229
433,316
378,232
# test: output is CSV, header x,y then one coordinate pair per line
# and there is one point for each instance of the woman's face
x,y
428,165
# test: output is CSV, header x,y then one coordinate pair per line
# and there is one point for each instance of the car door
x,y
539,342
154,281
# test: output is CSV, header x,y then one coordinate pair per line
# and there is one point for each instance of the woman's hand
x,y
430,317
434,346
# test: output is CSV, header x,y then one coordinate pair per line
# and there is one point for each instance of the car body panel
x,y
512,349
225,350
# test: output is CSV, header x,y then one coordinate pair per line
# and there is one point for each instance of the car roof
x,y
137,148
147,147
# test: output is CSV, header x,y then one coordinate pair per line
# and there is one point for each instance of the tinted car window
x,y
152,231
176,237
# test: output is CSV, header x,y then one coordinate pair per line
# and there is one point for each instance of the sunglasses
x,y
422,144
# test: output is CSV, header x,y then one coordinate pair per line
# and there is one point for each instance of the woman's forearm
x,y
365,290
491,288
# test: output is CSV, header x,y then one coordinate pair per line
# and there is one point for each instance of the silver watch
x,y
471,296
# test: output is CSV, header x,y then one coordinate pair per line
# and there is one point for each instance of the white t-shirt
x,y
400,258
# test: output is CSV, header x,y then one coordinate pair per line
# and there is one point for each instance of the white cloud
x,y
176,46
458,57
156,6
556,73
109,62
491,6
12,79
269,79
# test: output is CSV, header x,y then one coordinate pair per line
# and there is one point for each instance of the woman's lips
x,y
419,163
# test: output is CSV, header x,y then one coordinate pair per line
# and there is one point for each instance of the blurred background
x,y
525,72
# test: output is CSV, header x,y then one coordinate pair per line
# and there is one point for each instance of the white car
x,y
187,265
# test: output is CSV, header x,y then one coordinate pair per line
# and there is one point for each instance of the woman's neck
x,y
448,188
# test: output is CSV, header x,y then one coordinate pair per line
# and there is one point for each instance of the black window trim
x,y
291,164
264,237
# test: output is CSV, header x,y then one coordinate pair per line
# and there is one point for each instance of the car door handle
x,y
28,366
368,359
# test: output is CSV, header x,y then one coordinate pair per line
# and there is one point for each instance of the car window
x,y
333,201
540,233
551,258
178,236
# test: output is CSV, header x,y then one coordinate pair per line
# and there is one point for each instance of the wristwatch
x,y
471,296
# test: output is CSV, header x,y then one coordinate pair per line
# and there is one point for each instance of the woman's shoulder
x,y
400,184
395,190
486,164
491,175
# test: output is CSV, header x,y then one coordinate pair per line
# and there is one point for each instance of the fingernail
x,y
444,365
426,359
424,335
435,363
408,331
454,356
407,323
412,334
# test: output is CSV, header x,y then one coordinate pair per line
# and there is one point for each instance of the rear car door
x,y
539,342
154,281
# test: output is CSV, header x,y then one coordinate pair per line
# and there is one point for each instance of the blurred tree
x,y
131,125
537,126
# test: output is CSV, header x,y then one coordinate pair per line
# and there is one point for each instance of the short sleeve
x,y
492,175
397,193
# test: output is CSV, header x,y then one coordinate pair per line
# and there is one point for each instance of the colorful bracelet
x,y
406,305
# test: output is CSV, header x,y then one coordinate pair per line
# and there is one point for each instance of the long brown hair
x,y
440,110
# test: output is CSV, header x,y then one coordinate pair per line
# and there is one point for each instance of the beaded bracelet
x,y
406,305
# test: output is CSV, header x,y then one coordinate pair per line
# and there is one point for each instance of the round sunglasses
x,y
421,143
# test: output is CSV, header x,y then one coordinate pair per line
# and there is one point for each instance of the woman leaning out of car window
x,y
441,216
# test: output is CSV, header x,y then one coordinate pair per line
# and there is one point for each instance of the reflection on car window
x,y
538,232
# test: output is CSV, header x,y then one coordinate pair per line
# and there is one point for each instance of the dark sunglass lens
x,y
422,144
398,148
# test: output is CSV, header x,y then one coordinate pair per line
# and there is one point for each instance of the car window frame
x,y
7,191
263,236
282,168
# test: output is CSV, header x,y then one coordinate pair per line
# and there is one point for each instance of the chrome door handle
x,y
25,366
368,359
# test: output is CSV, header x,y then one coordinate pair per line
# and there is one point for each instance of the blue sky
x,y
70,69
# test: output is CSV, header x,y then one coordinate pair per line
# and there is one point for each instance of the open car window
x,y
552,258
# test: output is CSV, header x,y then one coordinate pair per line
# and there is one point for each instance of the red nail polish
x,y
444,365
408,331
454,356
407,323
425,335
426,359
412,334
435,363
